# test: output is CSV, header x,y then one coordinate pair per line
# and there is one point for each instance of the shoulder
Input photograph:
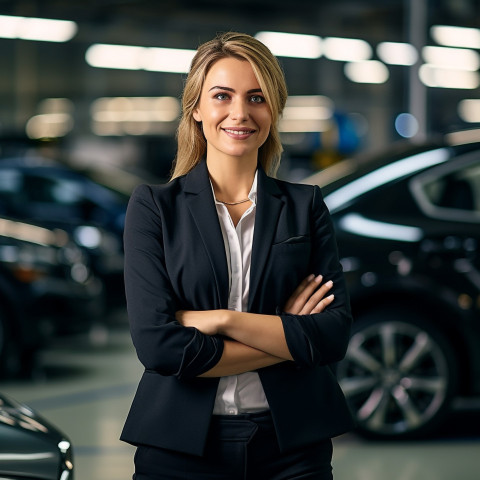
x,y
297,191
158,193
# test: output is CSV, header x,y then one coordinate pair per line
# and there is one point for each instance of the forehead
x,y
231,71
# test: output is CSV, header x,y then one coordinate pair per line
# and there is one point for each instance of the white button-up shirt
x,y
239,393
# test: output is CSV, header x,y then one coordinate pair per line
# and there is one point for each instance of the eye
x,y
257,99
221,96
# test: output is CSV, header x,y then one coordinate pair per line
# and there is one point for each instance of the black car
x,y
30,447
54,195
47,288
408,230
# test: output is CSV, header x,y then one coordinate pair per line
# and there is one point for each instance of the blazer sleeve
x,y
162,344
321,338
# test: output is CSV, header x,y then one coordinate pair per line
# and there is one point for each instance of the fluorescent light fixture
x,y
367,71
359,225
306,113
129,57
172,60
432,76
49,125
344,195
292,44
446,57
303,126
40,29
115,56
134,115
469,110
456,36
395,53
346,49
56,105
308,107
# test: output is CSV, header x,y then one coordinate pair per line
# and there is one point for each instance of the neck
x,y
231,178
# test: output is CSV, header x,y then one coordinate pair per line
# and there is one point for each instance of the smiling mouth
x,y
239,132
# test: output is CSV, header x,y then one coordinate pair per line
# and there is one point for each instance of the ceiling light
x,y
308,107
369,71
139,58
446,57
456,36
291,44
173,60
49,125
303,125
469,110
40,29
134,115
433,76
346,49
395,53
306,113
114,56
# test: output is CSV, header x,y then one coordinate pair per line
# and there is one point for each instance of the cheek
x,y
266,123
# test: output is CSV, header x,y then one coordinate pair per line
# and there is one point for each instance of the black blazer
x,y
175,260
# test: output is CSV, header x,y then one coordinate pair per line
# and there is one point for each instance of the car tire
x,y
399,374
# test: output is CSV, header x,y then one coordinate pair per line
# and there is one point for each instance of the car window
x,y
450,193
52,190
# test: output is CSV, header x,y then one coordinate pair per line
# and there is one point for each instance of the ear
x,y
196,115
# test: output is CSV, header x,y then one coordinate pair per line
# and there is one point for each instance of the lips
x,y
239,133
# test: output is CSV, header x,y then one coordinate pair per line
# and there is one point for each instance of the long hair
x,y
192,145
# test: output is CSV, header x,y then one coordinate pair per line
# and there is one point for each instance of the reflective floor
x,y
85,387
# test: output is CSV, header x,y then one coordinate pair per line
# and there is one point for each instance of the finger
x,y
323,304
297,292
315,298
304,295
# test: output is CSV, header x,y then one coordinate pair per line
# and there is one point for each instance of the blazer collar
x,y
199,199
269,206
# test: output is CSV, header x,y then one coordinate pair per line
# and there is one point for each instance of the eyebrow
x,y
228,89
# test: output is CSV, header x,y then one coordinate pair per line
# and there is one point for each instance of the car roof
x,y
341,173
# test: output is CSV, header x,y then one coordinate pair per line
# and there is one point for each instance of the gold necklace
x,y
234,203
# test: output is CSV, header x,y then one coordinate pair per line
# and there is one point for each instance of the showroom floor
x,y
86,387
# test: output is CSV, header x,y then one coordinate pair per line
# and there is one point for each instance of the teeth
x,y
238,132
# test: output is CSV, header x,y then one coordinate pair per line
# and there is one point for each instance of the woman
x,y
235,295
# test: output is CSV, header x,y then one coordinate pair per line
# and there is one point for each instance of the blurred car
x,y
47,192
408,231
30,447
47,288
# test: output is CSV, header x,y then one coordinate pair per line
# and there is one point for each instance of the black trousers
x,y
242,447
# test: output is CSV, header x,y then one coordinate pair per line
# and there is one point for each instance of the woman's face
x,y
235,117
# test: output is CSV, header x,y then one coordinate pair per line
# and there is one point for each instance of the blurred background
x,y
383,114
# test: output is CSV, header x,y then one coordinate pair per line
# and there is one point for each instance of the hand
x,y
207,321
309,297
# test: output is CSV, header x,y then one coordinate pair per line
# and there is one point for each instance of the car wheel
x,y
399,374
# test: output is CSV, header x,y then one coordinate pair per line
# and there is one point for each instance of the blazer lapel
x,y
199,199
268,210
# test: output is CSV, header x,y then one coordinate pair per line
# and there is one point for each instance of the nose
x,y
239,110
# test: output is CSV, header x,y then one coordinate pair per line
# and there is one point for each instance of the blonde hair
x,y
192,145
